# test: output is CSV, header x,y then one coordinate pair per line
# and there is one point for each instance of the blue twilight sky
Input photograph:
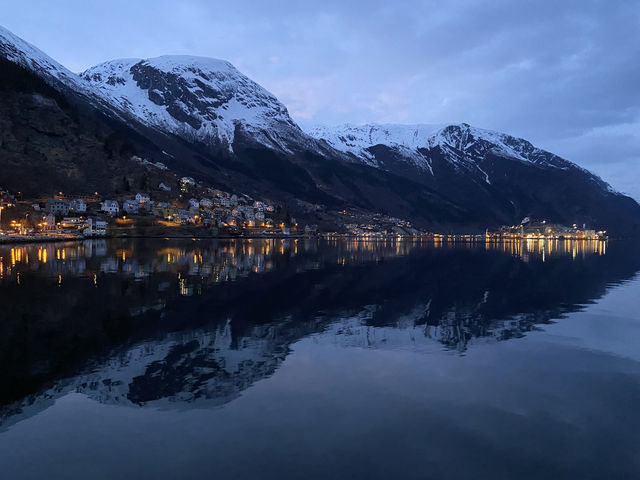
x,y
563,74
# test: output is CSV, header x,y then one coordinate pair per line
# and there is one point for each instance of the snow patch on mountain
x,y
358,139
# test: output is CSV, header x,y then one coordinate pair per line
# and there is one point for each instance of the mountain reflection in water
x,y
194,323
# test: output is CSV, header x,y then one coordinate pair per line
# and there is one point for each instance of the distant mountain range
x,y
202,117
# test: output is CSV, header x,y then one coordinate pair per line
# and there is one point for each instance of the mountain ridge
x,y
193,96
206,119
358,139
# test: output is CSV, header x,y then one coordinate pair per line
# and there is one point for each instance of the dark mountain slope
x,y
52,140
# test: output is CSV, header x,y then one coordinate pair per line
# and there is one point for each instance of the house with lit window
x,y
130,206
49,222
77,205
206,203
57,207
95,228
110,207
142,198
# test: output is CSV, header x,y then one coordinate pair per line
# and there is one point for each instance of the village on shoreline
x,y
191,210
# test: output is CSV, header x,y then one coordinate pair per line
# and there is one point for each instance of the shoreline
x,y
11,240
19,240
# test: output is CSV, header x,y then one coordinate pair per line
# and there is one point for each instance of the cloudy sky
x,y
563,74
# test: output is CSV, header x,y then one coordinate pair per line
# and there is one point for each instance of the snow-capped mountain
x,y
358,139
207,120
195,97
463,146
488,173
15,49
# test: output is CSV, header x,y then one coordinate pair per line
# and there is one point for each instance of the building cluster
x,y
543,230
205,206
217,209
6,199
379,225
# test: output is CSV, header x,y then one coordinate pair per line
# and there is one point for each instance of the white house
x,y
185,215
142,198
206,203
49,222
95,228
130,206
68,222
57,207
187,182
77,205
110,206
259,216
165,188
194,203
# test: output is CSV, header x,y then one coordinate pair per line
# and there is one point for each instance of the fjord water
x,y
315,358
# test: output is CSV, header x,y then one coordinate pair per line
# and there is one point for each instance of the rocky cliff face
x,y
198,98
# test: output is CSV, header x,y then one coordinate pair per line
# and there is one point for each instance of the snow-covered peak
x,y
15,49
457,140
197,97
357,139
187,65
354,138
478,142
463,146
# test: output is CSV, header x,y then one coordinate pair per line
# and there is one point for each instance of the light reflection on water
x,y
173,326
227,260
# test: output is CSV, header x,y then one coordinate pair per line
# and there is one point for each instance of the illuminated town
x,y
199,211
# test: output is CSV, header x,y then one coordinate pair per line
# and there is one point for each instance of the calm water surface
x,y
319,359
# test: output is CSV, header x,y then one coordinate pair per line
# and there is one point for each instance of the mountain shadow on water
x,y
190,322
